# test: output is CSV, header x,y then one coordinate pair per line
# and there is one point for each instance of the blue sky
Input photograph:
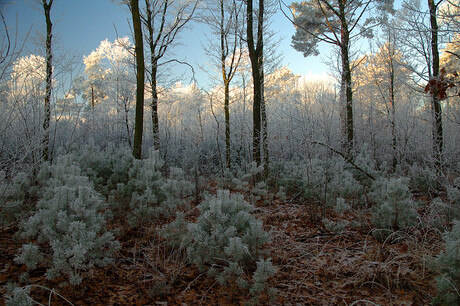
x,y
80,25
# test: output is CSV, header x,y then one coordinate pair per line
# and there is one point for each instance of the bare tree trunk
x,y
161,34
139,52
128,132
227,125
49,76
436,103
256,57
263,110
346,89
155,121
393,112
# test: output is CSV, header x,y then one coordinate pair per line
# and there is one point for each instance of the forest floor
x,y
314,266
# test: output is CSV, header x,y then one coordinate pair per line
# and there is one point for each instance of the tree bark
x,y
226,80
227,125
155,121
154,71
436,103
49,77
140,68
393,107
256,57
346,90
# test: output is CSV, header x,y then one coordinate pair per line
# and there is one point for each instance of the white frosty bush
x,y
453,198
225,240
448,265
421,178
335,226
341,207
289,174
328,180
247,182
395,209
151,195
18,296
68,228
105,168
13,193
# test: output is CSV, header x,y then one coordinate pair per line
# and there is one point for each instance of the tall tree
x,y
336,22
422,39
435,99
256,55
380,78
140,77
164,19
225,24
47,4
108,85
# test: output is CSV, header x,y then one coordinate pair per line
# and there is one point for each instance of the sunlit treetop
x,y
450,56
31,68
323,20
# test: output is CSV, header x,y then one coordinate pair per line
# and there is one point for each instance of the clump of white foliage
x,y
225,240
395,208
341,207
422,178
18,296
453,198
67,233
440,212
326,180
151,195
13,194
448,265
289,175
247,182
106,168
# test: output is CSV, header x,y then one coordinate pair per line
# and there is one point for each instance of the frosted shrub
x,y
441,213
453,197
365,161
341,207
225,240
281,194
18,296
13,195
335,226
105,168
395,209
448,265
438,213
327,180
246,182
68,230
422,179
290,175
149,194
264,271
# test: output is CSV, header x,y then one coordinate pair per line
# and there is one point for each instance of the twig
x,y
347,159
51,292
